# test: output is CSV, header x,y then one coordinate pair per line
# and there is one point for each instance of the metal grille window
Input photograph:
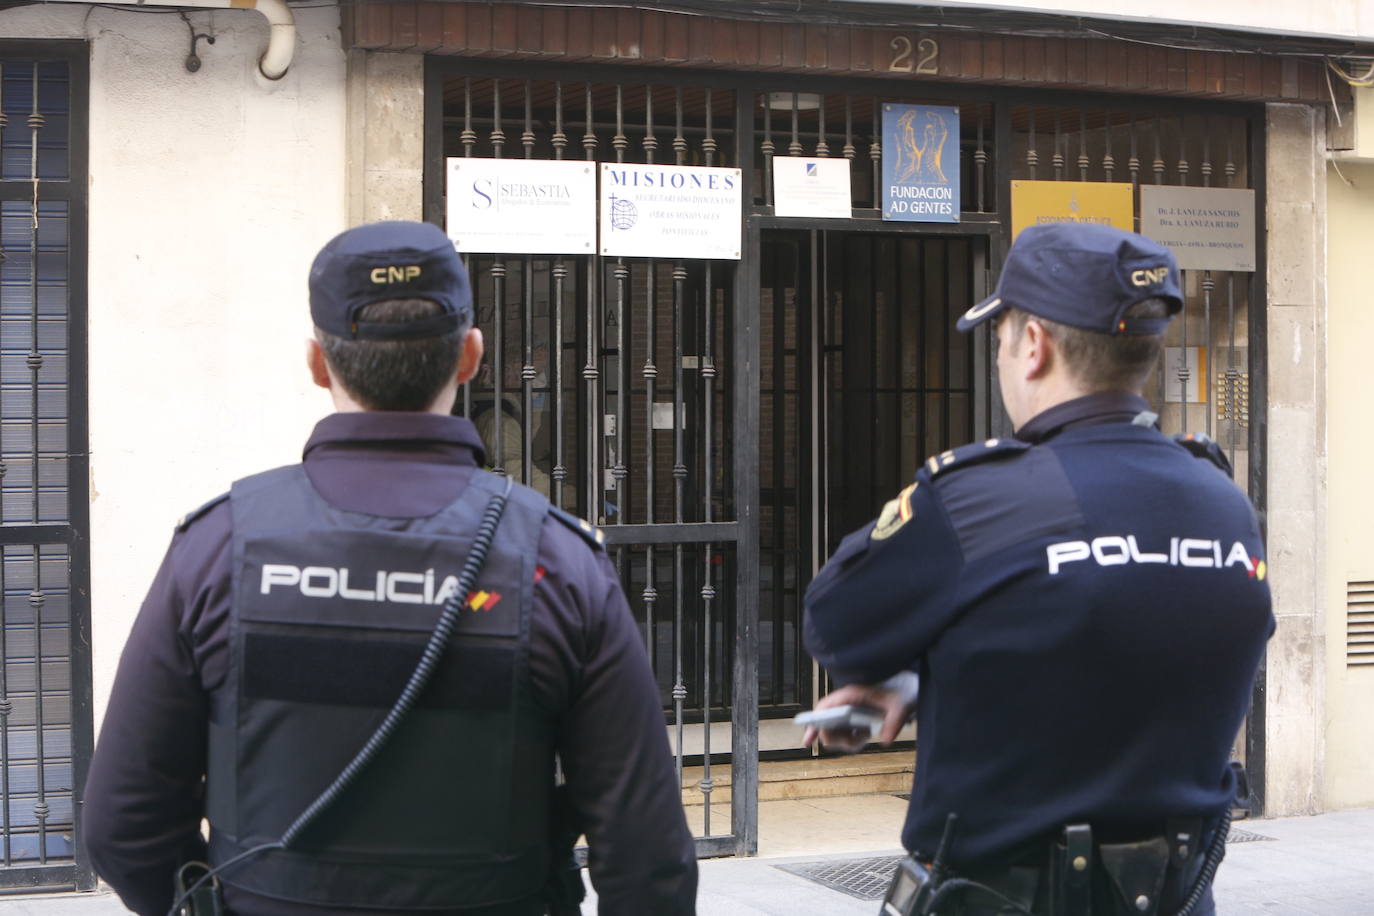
x,y
45,714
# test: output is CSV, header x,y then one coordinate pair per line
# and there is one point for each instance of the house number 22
x,y
923,57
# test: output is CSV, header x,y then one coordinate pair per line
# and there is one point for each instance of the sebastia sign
x,y
522,206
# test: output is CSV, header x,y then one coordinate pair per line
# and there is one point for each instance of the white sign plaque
x,y
811,187
1205,228
670,211
1194,360
522,206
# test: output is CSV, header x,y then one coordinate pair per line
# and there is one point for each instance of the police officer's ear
x,y
314,359
470,358
1038,350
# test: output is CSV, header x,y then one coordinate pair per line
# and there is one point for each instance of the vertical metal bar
x,y
1206,168
808,670
36,597
709,147
1232,372
781,455
1183,165
1159,155
815,356
1108,162
6,706
1083,144
679,462
795,148
527,135
708,591
980,163
745,447
468,138
873,281
1002,168
946,326
620,143
77,580
1133,163
768,148
1058,150
1208,284
1184,376
922,246
650,373
497,136
1032,156
558,275
822,145
560,137
849,127
875,154
978,349
591,373
527,368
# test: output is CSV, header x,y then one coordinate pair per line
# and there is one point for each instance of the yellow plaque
x,y
1100,202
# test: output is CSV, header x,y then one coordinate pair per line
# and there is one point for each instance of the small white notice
x,y
1185,375
670,211
663,415
1205,228
811,187
522,206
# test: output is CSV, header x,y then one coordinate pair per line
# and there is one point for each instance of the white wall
x,y
1343,18
209,194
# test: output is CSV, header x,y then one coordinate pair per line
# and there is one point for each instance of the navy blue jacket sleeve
x,y
614,748
880,601
144,795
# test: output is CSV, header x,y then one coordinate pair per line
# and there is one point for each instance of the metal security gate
x,y
864,376
45,680
719,419
611,385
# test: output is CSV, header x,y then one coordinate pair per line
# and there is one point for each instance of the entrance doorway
x,y
863,375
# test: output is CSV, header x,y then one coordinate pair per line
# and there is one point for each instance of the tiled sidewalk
x,y
1307,866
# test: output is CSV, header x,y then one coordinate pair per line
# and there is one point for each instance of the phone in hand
x,y
849,717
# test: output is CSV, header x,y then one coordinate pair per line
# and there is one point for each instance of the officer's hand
x,y
891,702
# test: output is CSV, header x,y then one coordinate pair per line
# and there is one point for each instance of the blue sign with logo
x,y
920,163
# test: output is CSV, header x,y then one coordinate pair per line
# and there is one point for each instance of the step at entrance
x,y
886,773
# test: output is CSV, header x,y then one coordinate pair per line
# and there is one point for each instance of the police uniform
x,y
1086,607
285,620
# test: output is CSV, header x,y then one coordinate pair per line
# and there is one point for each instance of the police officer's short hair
x,y
395,374
1103,362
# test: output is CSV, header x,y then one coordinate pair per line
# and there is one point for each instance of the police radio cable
x,y
419,678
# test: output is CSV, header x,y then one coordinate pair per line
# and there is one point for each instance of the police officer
x,y
289,613
1083,607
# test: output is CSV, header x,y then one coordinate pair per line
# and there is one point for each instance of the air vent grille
x,y
1359,624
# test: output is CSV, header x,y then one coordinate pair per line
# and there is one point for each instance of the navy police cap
x,y
389,260
1084,276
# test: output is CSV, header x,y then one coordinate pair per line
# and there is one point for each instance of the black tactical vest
x,y
330,612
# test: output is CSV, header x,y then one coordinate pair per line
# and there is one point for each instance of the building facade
x,y
725,420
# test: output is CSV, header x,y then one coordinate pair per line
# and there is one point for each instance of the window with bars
x,y
45,727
